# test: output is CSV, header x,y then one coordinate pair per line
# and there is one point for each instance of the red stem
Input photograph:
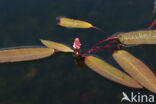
x,y
99,29
93,49
112,38
58,51
151,26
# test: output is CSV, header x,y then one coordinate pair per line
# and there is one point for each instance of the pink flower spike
x,y
77,44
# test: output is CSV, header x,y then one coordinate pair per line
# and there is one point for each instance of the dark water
x,y
56,80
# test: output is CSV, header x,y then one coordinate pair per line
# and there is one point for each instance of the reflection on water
x,y
56,80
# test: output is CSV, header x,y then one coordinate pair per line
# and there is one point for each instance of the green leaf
x,y
110,72
24,54
136,69
72,23
57,46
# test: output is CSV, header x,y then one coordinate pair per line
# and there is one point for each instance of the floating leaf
x,y
138,37
57,46
136,69
24,54
110,72
72,23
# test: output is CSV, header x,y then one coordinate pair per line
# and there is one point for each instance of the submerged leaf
x,y
57,46
136,69
110,72
72,23
24,54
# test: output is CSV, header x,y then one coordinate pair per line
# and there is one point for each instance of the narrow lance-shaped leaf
x,y
24,54
57,46
72,23
138,37
110,72
136,69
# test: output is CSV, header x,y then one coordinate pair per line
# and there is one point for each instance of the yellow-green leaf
x,y
24,54
136,69
110,72
57,46
72,23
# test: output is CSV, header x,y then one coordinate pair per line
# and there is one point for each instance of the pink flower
x,y
77,44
